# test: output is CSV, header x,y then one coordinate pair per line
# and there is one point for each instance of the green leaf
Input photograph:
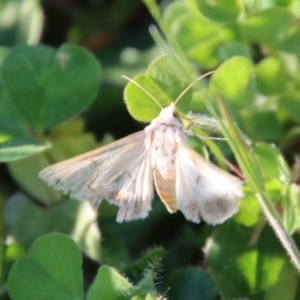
x,y
220,10
149,268
147,284
51,271
16,149
234,80
261,124
272,163
109,284
173,11
76,219
268,26
57,84
290,42
154,255
231,49
86,231
287,138
11,123
192,283
257,256
290,101
199,38
73,128
162,82
271,76
140,105
275,189
151,276
3,51
291,209
249,210
283,2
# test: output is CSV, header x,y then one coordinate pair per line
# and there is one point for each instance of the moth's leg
x,y
207,124
204,126
201,137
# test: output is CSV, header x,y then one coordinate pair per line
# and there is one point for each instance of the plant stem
x,y
3,197
274,220
251,169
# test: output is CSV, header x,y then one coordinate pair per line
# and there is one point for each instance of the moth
x,y
126,171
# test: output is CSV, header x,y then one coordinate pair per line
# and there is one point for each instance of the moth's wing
x,y
119,172
203,190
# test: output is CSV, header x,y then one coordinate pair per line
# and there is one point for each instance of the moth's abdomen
x,y
165,187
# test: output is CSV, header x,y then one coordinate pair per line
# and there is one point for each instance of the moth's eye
x,y
175,114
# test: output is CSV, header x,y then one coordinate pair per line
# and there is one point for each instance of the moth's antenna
x,y
145,91
185,90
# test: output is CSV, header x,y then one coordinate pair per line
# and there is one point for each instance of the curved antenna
x,y
189,86
145,91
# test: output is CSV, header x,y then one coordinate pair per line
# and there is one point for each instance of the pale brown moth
x,y
126,171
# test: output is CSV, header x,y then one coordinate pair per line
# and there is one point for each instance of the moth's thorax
x,y
164,146
164,133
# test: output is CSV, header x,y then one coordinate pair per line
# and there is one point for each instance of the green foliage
x,y
41,88
262,264
220,11
162,82
192,283
253,46
271,162
76,219
239,89
16,149
261,28
57,84
109,284
52,270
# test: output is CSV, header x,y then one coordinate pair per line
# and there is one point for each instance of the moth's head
x,y
169,115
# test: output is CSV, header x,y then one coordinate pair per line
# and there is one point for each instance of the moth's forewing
x,y
118,172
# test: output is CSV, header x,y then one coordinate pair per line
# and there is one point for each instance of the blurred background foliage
x,y
67,89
